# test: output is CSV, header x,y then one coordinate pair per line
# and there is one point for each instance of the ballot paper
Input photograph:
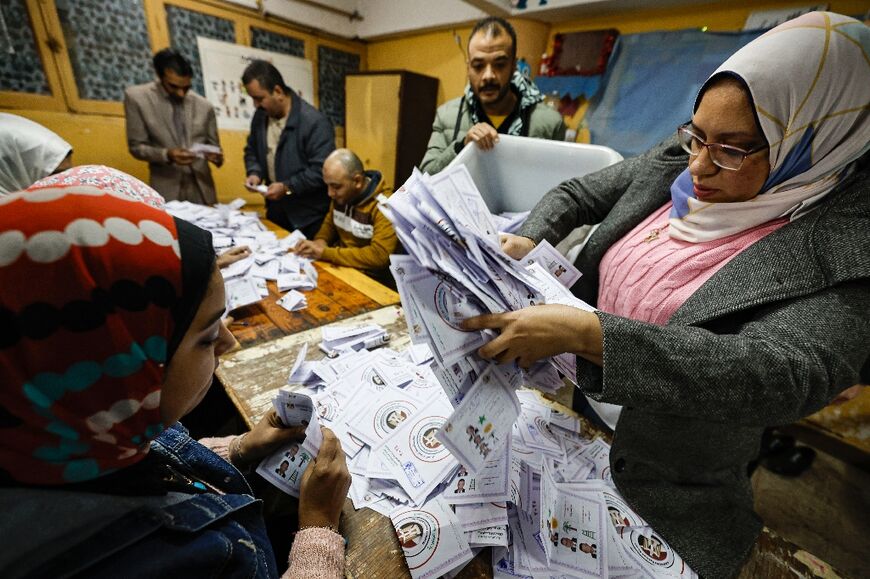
x,y
554,262
258,188
241,292
202,149
293,301
345,338
573,528
414,456
481,424
289,281
496,536
481,515
491,483
383,415
431,538
285,467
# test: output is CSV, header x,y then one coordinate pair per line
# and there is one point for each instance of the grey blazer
x,y
151,132
772,337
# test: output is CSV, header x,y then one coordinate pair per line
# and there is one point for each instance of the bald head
x,y
347,160
344,175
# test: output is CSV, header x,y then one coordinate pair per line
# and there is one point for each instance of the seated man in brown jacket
x,y
354,233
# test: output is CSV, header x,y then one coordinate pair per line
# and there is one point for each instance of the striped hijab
x,y
93,300
810,84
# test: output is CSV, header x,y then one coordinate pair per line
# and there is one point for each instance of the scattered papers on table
x,y
269,260
543,482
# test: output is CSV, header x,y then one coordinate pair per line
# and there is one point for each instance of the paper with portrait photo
x,y
481,425
383,414
491,484
414,456
573,531
431,538
554,262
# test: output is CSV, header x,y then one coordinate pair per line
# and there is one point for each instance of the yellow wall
x,y
96,130
437,54
102,140
720,16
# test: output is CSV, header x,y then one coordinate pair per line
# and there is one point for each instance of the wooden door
x,y
372,120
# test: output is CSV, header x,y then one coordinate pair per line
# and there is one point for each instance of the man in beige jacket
x,y
164,120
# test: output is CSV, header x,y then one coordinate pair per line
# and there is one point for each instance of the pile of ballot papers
x,y
245,279
544,499
455,269
450,446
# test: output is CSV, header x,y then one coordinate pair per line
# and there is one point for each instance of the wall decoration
x,y
332,66
222,67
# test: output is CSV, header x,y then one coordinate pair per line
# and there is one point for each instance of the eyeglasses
x,y
724,156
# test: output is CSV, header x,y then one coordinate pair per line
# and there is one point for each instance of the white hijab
x,y
810,84
28,152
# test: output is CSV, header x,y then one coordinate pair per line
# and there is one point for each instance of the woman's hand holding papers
x,y
266,437
324,485
539,332
516,246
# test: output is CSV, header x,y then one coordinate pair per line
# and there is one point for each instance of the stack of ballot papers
x,y
455,269
246,279
337,339
501,469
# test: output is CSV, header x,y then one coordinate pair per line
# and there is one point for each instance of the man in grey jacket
x,y
164,118
286,148
497,100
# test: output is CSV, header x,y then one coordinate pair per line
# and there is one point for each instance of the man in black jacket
x,y
288,142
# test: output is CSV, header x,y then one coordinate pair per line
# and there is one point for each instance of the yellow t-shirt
x,y
497,120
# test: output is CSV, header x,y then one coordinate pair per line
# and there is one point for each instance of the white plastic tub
x,y
518,171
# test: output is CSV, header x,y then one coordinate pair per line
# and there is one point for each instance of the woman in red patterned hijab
x,y
95,301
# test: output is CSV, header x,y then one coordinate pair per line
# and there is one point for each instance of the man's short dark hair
x,y
265,74
171,59
495,26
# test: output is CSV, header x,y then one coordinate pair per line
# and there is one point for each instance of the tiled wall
x,y
108,46
332,67
20,70
274,42
186,25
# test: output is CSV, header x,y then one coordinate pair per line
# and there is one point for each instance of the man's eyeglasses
x,y
724,156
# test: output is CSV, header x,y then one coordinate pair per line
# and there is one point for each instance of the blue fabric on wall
x,y
651,84
573,86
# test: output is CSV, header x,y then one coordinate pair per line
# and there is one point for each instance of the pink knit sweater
x,y
647,275
317,553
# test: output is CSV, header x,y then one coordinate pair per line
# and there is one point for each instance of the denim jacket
x,y
68,533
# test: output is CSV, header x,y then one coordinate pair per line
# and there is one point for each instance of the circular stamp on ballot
x,y
620,513
371,376
389,416
455,308
646,545
422,439
419,533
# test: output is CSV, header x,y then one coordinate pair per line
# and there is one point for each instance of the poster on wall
x,y
222,66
